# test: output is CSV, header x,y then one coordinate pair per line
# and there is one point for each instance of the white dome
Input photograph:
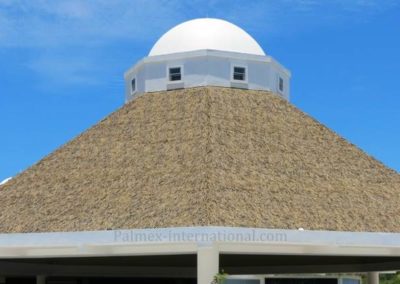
x,y
206,33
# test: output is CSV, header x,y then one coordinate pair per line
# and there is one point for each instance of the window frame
x,y
169,73
246,73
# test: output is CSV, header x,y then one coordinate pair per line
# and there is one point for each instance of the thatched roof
x,y
199,157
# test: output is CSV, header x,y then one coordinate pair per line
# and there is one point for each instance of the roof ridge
x,y
206,187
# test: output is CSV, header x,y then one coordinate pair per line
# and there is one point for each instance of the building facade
x,y
211,169
213,53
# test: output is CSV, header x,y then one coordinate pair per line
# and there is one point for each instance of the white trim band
x,y
188,240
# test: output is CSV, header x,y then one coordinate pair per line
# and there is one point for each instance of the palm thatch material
x,y
199,157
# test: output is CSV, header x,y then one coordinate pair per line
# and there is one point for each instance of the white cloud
x,y
53,23
83,22
286,17
67,38
65,69
60,32
69,10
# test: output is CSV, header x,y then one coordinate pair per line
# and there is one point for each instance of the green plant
x,y
220,278
390,278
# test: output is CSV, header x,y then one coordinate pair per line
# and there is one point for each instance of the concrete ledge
x,y
187,240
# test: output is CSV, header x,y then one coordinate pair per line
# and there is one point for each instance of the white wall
x,y
207,68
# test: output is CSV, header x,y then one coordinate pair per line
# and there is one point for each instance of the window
x,y
175,74
280,84
242,281
301,280
239,73
350,281
133,85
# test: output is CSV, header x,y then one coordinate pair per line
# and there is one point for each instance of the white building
x,y
206,52
178,185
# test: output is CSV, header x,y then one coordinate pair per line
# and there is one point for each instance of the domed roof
x,y
206,33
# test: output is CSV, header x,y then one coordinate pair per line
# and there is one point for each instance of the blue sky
x,y
62,64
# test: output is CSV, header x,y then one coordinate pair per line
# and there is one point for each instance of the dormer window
x,y
175,73
133,85
280,84
239,73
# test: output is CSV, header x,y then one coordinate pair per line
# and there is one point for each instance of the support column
x,y
207,264
40,279
373,277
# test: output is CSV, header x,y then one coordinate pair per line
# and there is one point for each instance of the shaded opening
x,y
280,84
239,73
175,74
243,264
165,267
133,85
103,280
20,280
